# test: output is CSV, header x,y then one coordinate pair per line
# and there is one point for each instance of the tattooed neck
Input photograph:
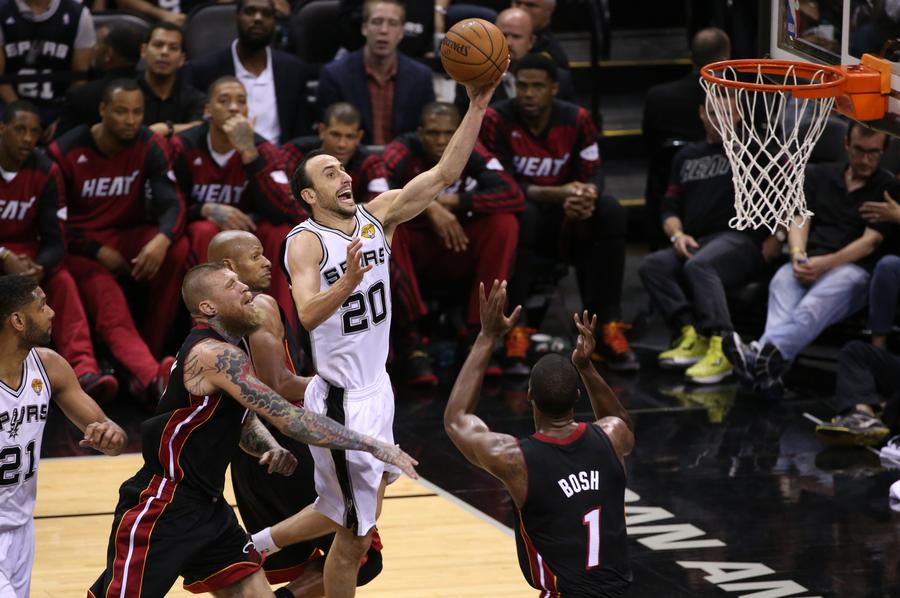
x,y
232,336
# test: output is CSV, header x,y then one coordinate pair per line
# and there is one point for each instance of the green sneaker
x,y
714,366
688,349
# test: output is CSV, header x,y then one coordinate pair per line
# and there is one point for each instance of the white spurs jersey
x,y
23,413
350,348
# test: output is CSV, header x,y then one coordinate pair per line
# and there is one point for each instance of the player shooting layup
x,y
337,262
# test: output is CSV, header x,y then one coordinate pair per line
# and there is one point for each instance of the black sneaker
x,y
853,429
417,369
613,348
741,355
767,372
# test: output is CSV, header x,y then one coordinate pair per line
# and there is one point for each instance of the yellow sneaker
x,y
688,349
714,367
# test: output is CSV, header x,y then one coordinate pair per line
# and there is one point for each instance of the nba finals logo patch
x,y
37,386
368,231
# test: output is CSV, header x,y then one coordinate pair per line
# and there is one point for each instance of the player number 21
x,y
591,520
11,463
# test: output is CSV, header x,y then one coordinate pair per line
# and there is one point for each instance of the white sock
x,y
264,542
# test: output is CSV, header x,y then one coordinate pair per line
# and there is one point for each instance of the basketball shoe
x,y
613,348
688,349
854,428
713,368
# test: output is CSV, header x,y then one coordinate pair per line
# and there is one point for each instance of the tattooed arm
x,y
214,366
256,440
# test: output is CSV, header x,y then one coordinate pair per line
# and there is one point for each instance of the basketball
x,y
474,52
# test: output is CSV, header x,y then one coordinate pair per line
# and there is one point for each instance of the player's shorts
x,y
16,560
347,482
161,532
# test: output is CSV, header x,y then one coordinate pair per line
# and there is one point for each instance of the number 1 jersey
x,y
350,348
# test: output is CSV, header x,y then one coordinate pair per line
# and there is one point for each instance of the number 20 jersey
x,y
350,348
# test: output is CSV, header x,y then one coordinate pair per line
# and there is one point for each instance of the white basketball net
x,y
768,137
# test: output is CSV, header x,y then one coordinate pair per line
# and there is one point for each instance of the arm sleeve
x,y
50,204
268,187
495,190
589,167
166,199
671,201
290,157
397,159
184,179
75,242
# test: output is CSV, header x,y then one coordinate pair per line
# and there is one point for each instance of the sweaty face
x,y
540,11
864,152
228,99
340,139
516,26
256,24
332,187
253,268
21,135
38,321
435,134
535,91
163,52
123,114
383,29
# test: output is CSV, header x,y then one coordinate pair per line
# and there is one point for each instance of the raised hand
x,y
584,346
280,460
480,97
494,323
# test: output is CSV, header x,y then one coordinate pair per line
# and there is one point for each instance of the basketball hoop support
x,y
866,90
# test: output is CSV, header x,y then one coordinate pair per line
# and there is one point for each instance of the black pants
x,y
596,247
866,375
693,291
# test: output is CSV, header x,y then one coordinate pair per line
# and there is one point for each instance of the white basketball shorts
x,y
16,559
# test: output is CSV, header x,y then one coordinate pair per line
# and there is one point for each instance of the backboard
x,y
838,32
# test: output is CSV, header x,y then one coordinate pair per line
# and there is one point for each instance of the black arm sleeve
x,y
51,200
166,199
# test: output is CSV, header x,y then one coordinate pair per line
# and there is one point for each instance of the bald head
x,y
231,244
199,283
516,26
710,45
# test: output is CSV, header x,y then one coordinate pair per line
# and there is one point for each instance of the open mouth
x,y
345,195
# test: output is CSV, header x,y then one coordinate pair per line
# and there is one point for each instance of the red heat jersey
x,y
564,152
259,188
365,167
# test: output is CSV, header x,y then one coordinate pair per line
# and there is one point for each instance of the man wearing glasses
x,y
832,256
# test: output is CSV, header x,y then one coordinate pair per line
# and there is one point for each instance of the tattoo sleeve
x,y
256,440
300,424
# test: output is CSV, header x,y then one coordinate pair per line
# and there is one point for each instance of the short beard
x,y
235,329
33,336
254,44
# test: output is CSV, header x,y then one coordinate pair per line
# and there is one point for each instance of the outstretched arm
x,y
498,454
611,415
395,207
100,433
215,365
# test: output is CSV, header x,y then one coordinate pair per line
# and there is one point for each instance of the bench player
x,y
347,310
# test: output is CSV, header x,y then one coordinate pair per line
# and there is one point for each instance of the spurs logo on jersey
x,y
350,348
23,413
37,48
109,186
14,209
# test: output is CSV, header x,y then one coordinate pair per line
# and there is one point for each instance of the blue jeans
x,y
883,294
798,314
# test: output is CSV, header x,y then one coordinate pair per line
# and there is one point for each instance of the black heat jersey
x,y
44,46
570,533
191,440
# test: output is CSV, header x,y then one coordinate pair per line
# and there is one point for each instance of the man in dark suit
x,y
671,112
516,26
275,81
389,88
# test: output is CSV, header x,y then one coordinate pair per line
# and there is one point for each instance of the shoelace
x,y
614,336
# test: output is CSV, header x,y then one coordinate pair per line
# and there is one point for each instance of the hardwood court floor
x,y
433,546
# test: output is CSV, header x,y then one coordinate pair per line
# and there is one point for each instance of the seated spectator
x,y
340,134
275,81
389,88
831,255
170,104
31,241
117,55
670,114
515,24
884,290
418,26
174,12
43,37
469,234
550,146
541,12
687,281
234,180
118,180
